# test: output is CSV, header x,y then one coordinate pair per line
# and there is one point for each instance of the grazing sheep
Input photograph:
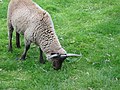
x,y
27,18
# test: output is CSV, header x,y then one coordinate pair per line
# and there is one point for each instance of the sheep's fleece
x,y
36,24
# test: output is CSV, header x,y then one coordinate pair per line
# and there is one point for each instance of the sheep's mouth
x,y
56,68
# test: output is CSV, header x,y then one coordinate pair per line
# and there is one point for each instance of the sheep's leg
x,y
27,46
41,57
17,40
10,32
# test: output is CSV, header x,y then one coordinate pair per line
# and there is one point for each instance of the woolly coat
x,y
35,24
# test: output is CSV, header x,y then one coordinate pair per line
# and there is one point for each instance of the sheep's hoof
x,y
10,50
18,47
20,59
42,62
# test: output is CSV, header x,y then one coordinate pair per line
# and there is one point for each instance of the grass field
x,y
90,27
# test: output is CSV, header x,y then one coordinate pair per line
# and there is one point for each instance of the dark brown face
x,y
57,62
57,59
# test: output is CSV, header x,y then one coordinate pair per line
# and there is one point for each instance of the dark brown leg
x,y
10,32
17,40
41,57
25,52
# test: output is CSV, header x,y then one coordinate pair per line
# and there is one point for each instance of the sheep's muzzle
x,y
57,63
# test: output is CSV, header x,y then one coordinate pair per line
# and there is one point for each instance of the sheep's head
x,y
58,59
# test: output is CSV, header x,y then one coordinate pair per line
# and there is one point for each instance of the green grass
x,y
90,27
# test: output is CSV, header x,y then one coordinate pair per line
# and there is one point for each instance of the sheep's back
x,y
20,20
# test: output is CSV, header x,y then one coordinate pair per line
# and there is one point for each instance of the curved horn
x,y
64,55
53,56
71,55
74,55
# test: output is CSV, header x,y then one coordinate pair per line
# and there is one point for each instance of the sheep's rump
x,y
24,16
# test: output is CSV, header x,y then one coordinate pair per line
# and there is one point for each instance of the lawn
x,y
90,27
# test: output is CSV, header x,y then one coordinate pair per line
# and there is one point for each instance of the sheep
x,y
36,24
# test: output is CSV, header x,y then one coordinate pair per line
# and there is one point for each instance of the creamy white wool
x,y
36,24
